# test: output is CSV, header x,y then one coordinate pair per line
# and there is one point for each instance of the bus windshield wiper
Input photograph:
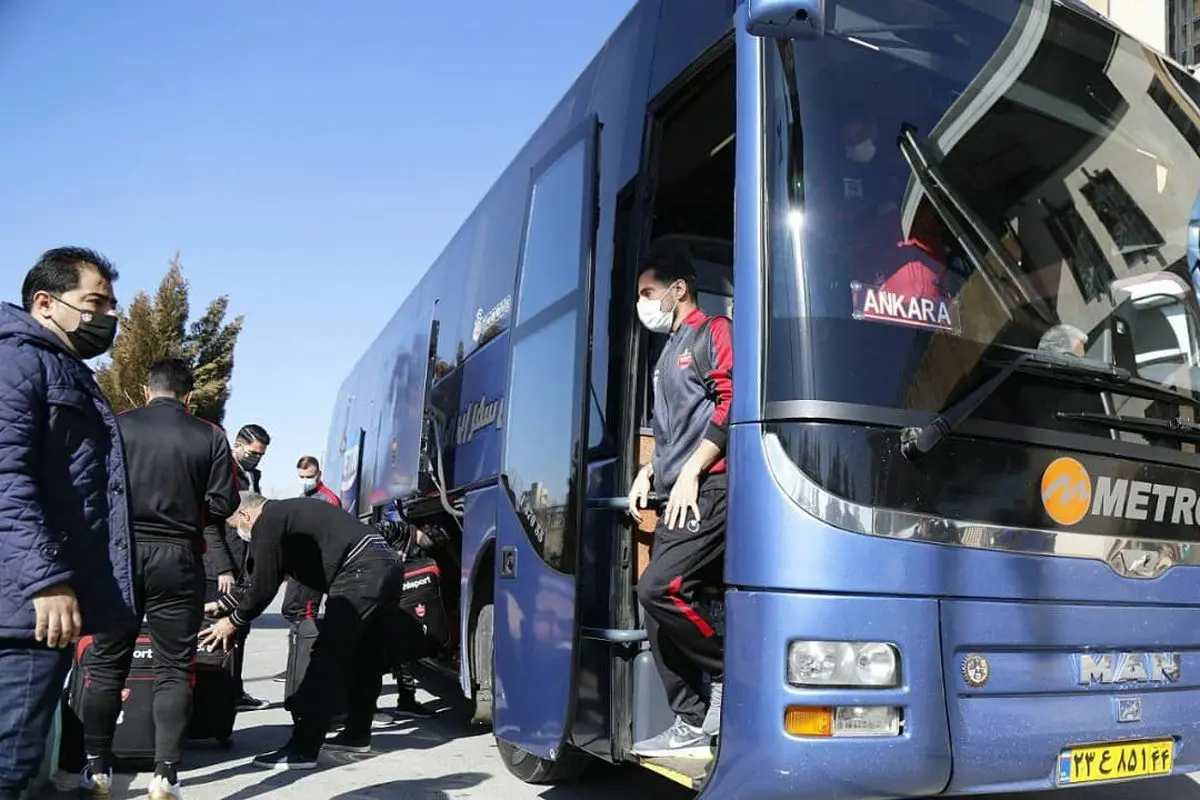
x,y
1180,430
947,202
915,442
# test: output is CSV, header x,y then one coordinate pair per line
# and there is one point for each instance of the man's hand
x,y
212,609
422,539
639,493
683,499
218,636
225,582
57,614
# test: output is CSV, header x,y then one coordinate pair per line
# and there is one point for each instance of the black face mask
x,y
249,461
94,336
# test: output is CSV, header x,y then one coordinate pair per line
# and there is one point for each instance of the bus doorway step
x,y
691,772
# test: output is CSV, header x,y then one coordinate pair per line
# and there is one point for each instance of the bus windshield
x,y
951,183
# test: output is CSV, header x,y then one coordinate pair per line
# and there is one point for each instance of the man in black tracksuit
x,y
693,392
225,558
362,578
181,476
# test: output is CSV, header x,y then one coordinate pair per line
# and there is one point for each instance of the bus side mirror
x,y
786,19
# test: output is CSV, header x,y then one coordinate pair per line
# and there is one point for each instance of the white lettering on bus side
x,y
461,428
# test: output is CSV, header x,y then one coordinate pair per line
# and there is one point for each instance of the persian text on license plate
x,y
1115,762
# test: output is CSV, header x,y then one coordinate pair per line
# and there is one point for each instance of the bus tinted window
x,y
543,392
1065,172
548,270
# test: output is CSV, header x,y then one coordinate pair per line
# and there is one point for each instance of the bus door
x,y
540,510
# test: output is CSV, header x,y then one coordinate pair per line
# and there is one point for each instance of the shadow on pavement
x,y
419,789
1177,787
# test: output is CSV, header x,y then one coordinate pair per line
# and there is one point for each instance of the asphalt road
x,y
441,759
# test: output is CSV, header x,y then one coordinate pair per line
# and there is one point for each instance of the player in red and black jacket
x,y
299,601
693,393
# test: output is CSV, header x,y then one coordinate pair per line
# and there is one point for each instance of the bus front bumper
x,y
760,760
999,680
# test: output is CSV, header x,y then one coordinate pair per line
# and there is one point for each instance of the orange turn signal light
x,y
808,720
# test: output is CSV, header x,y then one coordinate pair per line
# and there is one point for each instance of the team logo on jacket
x,y
420,610
684,359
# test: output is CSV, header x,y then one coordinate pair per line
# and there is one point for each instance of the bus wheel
x,y
481,663
570,765
522,764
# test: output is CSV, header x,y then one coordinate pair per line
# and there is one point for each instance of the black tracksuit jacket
x,y
181,473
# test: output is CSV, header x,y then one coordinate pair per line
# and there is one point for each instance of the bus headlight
x,y
872,664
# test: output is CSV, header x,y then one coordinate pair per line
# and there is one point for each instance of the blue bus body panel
x,y
479,535
685,31
534,641
758,760
1009,732
599,556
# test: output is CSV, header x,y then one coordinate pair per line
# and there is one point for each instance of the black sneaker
x,y
248,703
409,708
347,743
285,758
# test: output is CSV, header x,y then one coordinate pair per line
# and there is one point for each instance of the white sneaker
x,y
91,785
163,789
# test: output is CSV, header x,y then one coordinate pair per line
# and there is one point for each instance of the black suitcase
x,y
301,639
215,693
422,602
133,741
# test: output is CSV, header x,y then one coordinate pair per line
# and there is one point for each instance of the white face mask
x,y
862,152
244,535
650,312
308,484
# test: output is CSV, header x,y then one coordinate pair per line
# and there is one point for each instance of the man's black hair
x,y
670,265
171,376
58,271
254,433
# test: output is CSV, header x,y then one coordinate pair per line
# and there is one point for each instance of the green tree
x,y
153,328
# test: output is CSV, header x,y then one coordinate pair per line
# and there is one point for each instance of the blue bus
x,y
953,236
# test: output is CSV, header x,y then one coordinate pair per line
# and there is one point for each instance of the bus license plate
x,y
1115,762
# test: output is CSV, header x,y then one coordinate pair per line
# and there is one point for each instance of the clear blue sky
x,y
310,159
